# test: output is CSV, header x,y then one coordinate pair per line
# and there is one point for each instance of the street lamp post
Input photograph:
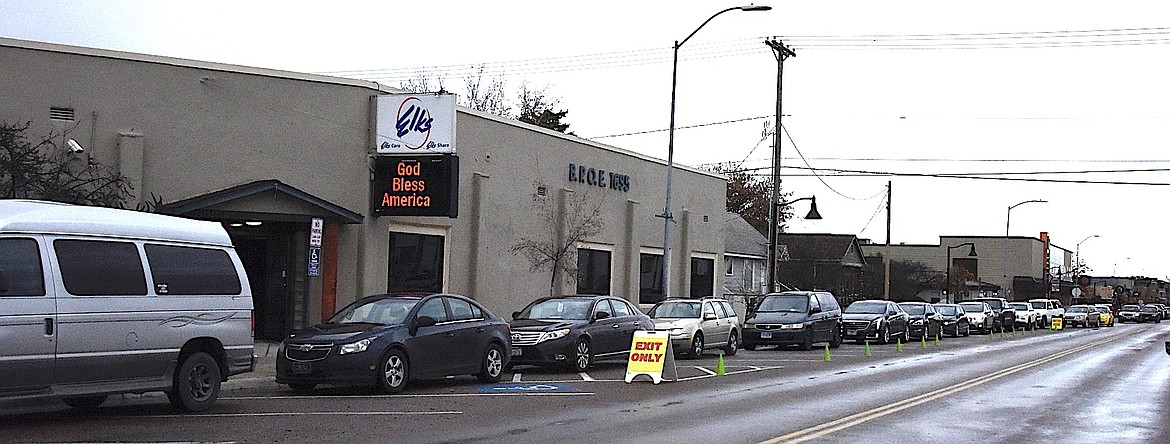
x,y
813,214
948,282
1078,264
666,215
1007,232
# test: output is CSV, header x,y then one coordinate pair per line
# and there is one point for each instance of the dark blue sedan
x,y
385,341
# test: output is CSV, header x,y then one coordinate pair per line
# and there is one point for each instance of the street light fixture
x,y
813,214
1006,232
666,215
1078,264
948,282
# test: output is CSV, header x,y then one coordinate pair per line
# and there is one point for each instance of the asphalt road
x,y
1082,385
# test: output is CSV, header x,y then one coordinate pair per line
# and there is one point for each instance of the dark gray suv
x,y
793,318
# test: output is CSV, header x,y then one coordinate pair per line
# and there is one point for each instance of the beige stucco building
x,y
265,152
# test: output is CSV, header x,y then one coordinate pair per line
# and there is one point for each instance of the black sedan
x,y
574,331
1150,313
387,340
875,320
924,320
954,320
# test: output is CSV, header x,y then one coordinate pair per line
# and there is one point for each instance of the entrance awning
x,y
267,200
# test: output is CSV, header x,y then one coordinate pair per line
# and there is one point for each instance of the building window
x,y
730,269
749,274
650,282
702,277
416,263
592,271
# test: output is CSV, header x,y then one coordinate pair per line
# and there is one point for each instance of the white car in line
x,y
1049,309
1027,316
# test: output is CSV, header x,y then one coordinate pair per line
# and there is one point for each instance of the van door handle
x,y
48,326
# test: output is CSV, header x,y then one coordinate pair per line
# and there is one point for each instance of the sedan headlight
x,y
355,347
796,326
557,334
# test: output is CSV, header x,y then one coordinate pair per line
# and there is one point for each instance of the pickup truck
x,y
1005,315
1049,309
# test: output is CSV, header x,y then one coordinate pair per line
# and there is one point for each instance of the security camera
x,y
75,147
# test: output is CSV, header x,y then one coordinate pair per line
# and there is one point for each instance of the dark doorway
x,y
416,263
266,252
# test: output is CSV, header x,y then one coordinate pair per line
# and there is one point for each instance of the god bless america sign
x,y
415,186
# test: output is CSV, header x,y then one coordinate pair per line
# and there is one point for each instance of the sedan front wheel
x,y
393,372
582,355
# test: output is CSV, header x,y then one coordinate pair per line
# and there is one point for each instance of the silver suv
x,y
698,324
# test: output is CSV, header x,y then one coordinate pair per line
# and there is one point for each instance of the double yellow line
x,y
858,418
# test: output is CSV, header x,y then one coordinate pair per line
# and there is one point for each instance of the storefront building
x,y
297,168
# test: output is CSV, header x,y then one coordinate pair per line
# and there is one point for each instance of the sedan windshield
x,y
1150,308
1039,305
788,303
1130,308
864,307
1021,307
559,308
978,308
914,309
675,310
949,310
389,311
1078,309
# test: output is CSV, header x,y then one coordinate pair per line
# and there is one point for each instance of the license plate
x,y
302,368
850,332
765,335
516,351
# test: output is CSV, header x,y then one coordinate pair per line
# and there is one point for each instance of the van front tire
x,y
196,385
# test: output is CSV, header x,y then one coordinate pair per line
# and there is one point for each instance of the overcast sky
x,y
913,89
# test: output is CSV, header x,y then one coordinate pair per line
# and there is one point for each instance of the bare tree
x,y
422,83
487,98
45,169
539,108
570,219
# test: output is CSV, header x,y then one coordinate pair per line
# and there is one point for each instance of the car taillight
x,y
252,315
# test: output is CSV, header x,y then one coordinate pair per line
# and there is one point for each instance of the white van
x,y
99,301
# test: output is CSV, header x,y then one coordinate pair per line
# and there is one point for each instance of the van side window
x,y
21,265
100,268
191,271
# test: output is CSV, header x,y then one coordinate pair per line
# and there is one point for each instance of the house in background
x,y
832,262
745,255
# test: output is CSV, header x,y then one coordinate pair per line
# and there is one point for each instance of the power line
x,y
864,173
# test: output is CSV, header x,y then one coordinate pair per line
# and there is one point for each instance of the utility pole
x,y
886,258
781,52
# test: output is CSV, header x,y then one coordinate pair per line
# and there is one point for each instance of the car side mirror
x,y
421,321
814,310
515,315
708,316
600,315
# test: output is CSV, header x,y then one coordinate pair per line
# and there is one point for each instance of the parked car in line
x,y
1005,315
1129,313
1162,311
698,324
954,320
575,331
1081,316
924,320
1049,309
793,318
980,315
1107,318
1027,317
1150,313
389,340
878,320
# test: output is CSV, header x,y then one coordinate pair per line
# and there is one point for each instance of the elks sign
x,y
415,124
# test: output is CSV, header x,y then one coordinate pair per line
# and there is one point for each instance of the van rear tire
x,y
196,385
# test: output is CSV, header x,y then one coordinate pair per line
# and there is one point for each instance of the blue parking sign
x,y
314,261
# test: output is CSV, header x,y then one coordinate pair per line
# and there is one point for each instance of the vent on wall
x,y
65,114
541,191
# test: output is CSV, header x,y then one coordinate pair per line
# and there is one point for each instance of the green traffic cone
x,y
937,337
899,344
924,340
867,352
1001,333
720,368
827,356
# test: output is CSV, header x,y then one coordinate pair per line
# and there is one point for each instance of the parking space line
x,y
516,377
704,370
420,395
586,377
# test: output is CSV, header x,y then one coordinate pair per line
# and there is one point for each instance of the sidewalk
x,y
263,375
